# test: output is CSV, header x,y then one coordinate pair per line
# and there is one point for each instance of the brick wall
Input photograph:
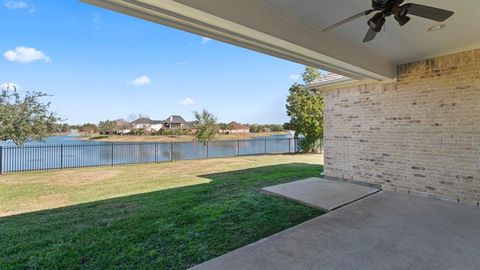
x,y
420,134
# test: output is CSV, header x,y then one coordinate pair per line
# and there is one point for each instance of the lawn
x,y
154,216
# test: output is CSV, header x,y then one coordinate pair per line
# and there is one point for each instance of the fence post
x,y
156,158
238,148
265,146
61,156
112,154
295,145
289,145
170,156
206,149
1,159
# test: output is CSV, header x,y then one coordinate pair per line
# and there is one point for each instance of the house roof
x,y
328,79
177,119
235,125
142,120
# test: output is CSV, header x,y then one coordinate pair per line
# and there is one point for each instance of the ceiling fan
x,y
386,8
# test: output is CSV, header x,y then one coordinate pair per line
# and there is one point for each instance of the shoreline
x,y
174,138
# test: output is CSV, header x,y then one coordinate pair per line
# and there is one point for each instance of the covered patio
x,y
402,113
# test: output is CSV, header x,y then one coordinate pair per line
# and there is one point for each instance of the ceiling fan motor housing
x,y
384,4
388,8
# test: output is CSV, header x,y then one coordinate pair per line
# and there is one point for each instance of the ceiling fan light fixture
x,y
380,25
376,22
436,27
403,10
402,20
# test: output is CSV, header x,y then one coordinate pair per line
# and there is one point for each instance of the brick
x,y
420,134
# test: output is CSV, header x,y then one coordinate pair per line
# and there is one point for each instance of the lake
x,y
60,152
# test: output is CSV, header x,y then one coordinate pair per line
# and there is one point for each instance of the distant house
x,y
123,131
147,124
172,122
235,128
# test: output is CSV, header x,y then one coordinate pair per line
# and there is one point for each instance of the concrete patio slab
x,y
320,193
383,231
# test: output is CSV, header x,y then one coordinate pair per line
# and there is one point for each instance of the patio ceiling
x,y
291,29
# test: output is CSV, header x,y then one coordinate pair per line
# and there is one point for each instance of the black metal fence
x,y
64,156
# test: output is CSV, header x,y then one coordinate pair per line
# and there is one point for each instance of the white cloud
x,y
26,55
294,77
205,40
9,86
141,81
187,101
18,4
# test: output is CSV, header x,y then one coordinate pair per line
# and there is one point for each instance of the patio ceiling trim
x,y
184,17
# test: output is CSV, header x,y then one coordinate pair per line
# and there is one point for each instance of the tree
x,y
305,109
122,124
310,74
107,127
223,126
254,128
26,118
275,127
89,128
61,127
206,125
132,117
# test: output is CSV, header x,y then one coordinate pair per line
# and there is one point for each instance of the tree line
x,y
114,126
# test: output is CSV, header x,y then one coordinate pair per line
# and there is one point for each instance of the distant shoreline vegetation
x,y
176,138
141,128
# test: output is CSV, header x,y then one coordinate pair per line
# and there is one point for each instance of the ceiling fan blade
x,y
431,13
370,35
356,16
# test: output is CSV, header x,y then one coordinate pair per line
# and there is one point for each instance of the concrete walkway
x,y
383,231
320,193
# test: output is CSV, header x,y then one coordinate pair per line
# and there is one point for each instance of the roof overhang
x,y
259,26
292,29
329,80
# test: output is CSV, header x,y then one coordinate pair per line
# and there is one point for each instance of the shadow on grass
x,y
168,229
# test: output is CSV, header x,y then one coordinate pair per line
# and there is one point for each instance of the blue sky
x,y
98,64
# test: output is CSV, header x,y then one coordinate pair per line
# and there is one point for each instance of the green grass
x,y
166,216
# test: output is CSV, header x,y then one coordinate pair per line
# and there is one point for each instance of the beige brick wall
x,y
420,134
